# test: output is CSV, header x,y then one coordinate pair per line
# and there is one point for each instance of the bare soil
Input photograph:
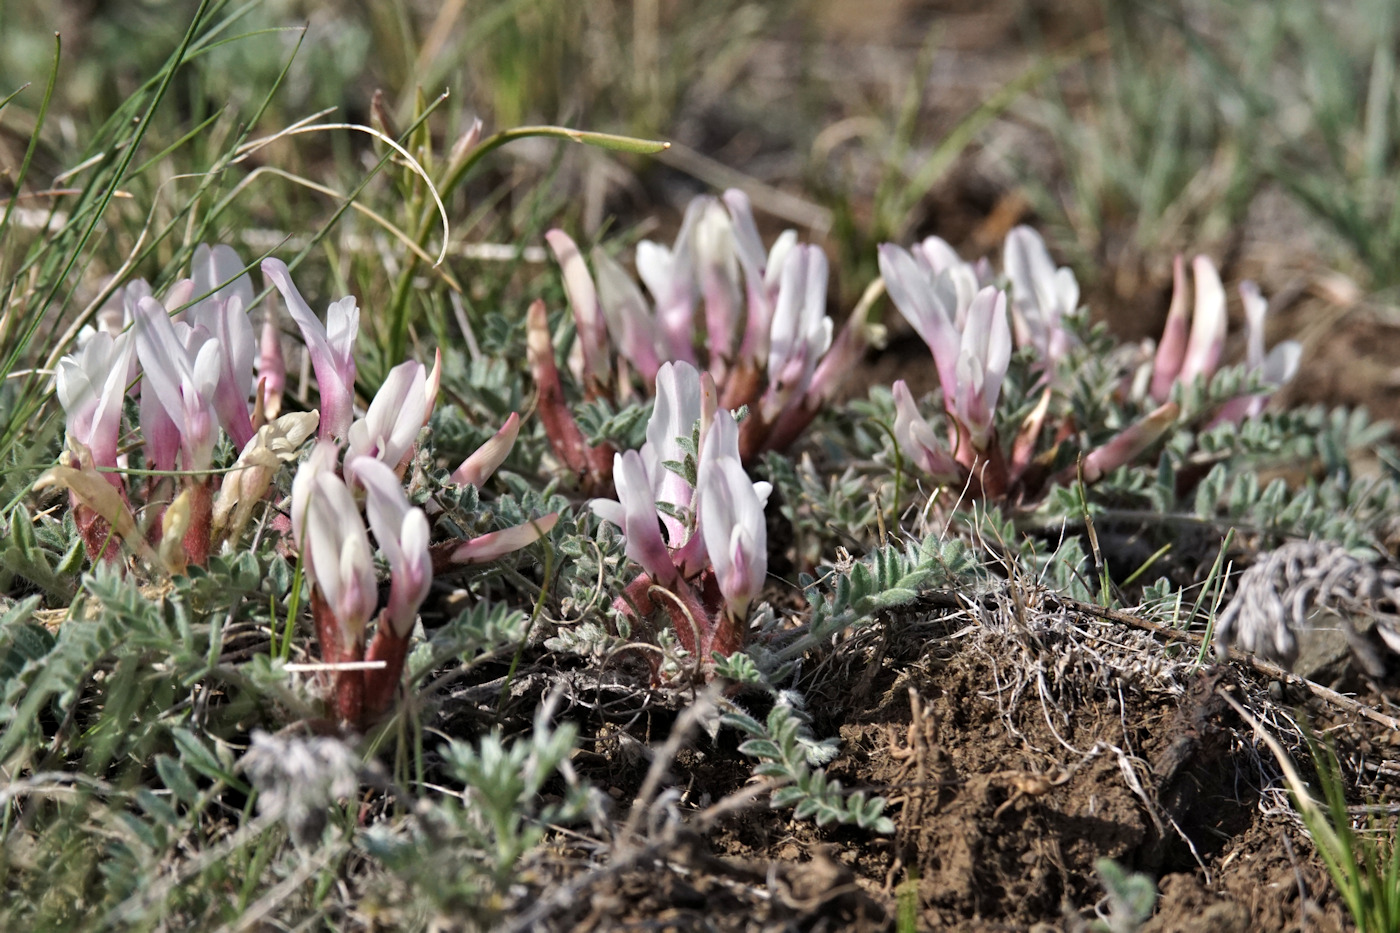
x,y
1016,744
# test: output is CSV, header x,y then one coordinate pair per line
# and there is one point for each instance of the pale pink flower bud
x,y
337,557
635,513
492,545
588,314
484,461
91,385
983,357
801,330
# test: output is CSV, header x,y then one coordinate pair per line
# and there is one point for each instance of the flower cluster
x,y
756,321
691,516
191,360
193,375
971,323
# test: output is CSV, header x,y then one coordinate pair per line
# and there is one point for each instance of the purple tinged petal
x,y
720,443
91,386
735,534
272,365
163,357
717,278
227,322
183,386
982,363
640,527
158,431
322,459
331,347
961,283
1041,294
338,558
677,409
748,245
218,275
670,276
402,532
485,460
801,330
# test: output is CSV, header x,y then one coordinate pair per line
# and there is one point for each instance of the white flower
x,y
1042,295
399,410
801,331
91,385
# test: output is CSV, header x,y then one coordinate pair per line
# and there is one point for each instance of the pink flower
x,y
485,460
1275,369
929,302
330,345
630,323
272,366
971,344
675,414
494,544
762,273
918,441
593,363
634,511
984,354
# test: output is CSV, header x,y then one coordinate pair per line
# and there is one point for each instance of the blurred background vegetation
x,y
1264,134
